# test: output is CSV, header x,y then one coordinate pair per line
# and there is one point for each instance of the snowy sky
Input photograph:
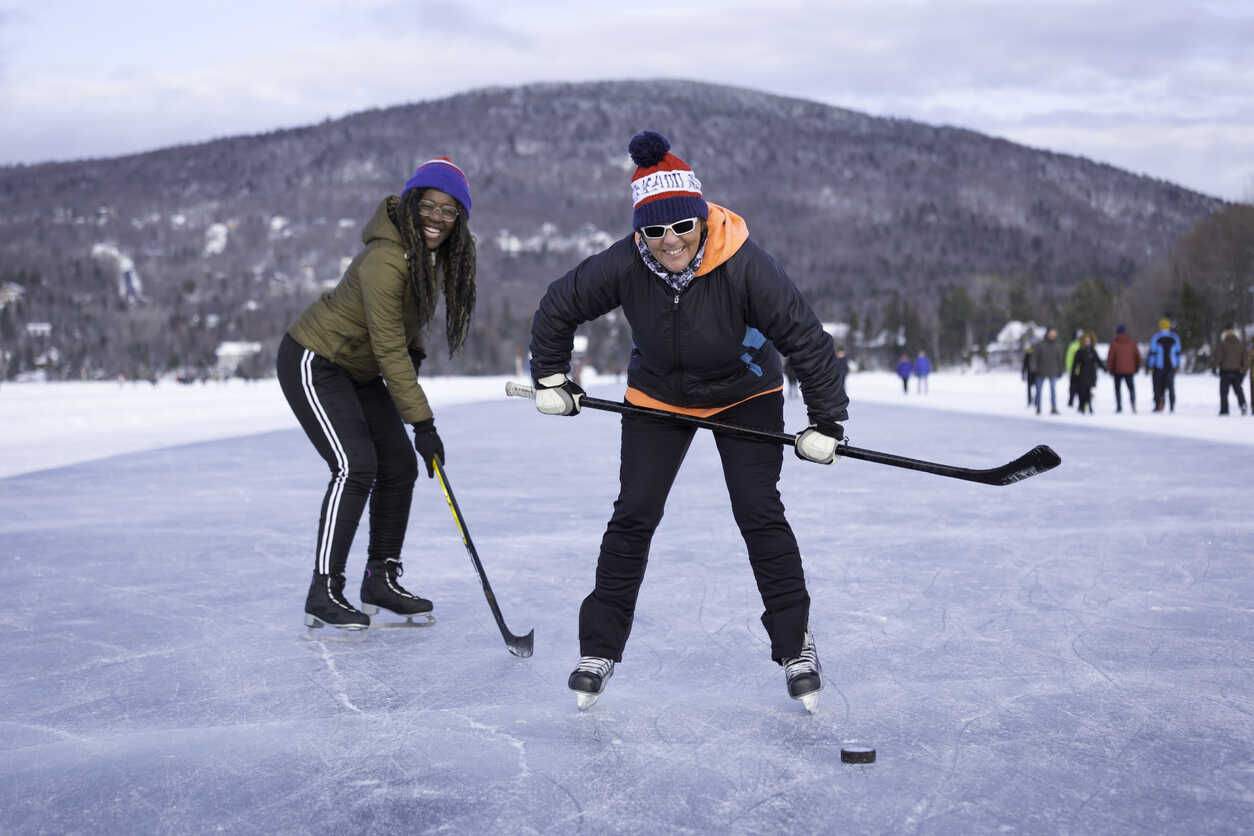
x,y
1159,87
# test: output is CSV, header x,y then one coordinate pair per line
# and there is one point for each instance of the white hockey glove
x,y
819,443
556,394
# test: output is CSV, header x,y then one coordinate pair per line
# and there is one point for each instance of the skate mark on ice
x,y
337,678
575,816
919,815
1078,638
1104,786
844,718
61,734
517,743
776,796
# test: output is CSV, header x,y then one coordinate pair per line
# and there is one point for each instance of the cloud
x,y
1111,79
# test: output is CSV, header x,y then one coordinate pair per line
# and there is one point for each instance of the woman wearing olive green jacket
x,y
349,369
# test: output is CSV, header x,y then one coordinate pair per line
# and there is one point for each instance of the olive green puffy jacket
x,y
368,323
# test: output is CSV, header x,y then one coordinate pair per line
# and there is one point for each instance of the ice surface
x,y
1068,654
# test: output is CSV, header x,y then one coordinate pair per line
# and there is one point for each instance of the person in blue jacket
x,y
904,368
1162,362
710,313
922,368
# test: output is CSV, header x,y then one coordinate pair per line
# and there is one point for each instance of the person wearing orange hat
x,y
710,313
1162,362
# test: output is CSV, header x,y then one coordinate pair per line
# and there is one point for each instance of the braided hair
x,y
456,258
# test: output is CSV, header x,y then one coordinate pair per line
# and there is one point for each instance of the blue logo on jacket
x,y
753,339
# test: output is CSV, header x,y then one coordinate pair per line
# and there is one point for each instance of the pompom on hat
x,y
664,188
440,173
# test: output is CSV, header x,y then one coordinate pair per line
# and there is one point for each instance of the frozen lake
x,y
1069,654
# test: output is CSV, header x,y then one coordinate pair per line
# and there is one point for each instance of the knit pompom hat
x,y
440,173
663,189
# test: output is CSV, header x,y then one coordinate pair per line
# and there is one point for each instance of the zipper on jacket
x,y
675,328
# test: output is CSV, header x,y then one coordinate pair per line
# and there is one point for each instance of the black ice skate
x,y
325,606
381,589
589,678
804,675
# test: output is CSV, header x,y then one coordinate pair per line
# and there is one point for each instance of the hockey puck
x,y
857,754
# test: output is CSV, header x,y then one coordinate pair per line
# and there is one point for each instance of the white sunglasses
x,y
679,228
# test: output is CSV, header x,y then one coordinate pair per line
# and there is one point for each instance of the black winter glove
x,y
428,444
416,356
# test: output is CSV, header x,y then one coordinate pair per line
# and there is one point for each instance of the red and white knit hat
x,y
663,189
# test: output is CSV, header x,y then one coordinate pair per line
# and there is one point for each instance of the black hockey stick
x,y
518,645
1037,460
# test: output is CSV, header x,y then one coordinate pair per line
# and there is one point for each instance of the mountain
x,y
149,261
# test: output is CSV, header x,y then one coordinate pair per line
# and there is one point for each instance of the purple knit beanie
x,y
441,174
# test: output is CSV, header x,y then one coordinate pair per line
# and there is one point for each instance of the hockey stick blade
x,y
1037,460
518,645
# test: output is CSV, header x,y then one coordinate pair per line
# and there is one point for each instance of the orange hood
x,y
727,231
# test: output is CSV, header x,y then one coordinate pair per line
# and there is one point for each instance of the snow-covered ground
x,y
54,424
1073,653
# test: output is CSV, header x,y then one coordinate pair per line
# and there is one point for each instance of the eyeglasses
x,y
679,228
448,213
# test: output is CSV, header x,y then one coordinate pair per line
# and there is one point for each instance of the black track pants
x,y
1128,379
356,428
652,451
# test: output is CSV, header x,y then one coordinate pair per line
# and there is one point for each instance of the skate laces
x,y
335,591
595,665
806,662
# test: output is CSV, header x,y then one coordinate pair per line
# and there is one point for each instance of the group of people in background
x,y
1046,361
920,367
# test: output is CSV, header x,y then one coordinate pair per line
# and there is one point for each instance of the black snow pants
x,y
652,451
356,428
1164,389
1125,378
1230,380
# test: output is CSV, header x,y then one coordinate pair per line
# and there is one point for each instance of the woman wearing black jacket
x,y
708,310
1085,366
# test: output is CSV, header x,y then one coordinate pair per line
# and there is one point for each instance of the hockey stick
x,y
1037,460
518,645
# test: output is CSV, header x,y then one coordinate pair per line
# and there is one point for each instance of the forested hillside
x,y
146,263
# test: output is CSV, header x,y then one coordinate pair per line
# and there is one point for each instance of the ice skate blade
x,y
348,633
810,701
427,620
585,701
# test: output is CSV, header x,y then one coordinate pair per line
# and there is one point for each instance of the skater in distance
x,y
710,312
349,369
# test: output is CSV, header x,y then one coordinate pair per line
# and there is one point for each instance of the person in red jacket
x,y
1123,361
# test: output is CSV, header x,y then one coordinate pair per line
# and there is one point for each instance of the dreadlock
x,y
456,258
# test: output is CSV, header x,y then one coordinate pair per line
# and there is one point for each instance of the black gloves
x,y
416,356
428,444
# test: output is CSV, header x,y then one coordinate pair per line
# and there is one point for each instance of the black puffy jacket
x,y
711,346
